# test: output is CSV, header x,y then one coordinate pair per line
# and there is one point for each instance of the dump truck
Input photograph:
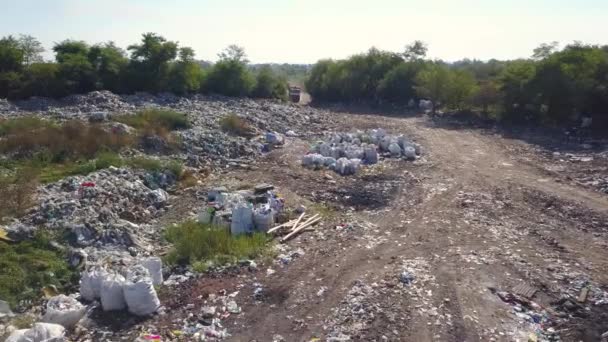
x,y
294,94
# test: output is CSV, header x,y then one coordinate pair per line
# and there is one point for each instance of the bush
x,y
28,266
234,124
195,242
17,192
270,86
230,78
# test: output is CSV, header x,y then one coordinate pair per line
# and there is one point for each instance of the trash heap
x,y
103,211
243,211
346,152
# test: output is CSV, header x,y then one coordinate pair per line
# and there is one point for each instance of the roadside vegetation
x,y
154,65
203,245
28,266
553,87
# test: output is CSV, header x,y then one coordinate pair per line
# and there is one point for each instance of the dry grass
x,y
56,143
233,124
17,192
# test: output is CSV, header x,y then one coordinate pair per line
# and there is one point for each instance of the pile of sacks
x,y
134,292
345,152
243,211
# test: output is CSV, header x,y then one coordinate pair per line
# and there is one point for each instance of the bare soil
x,y
478,213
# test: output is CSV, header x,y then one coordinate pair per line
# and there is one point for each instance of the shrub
x,y
234,124
195,242
17,192
230,78
107,159
156,120
268,85
28,266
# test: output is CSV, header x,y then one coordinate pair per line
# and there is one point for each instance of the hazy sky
x,y
303,31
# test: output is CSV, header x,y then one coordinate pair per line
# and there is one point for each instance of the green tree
x,y
433,83
545,50
234,53
269,85
398,84
150,62
488,95
11,55
461,87
32,49
515,85
230,78
42,79
68,48
110,63
415,51
186,74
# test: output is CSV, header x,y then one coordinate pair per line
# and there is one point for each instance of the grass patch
x,y
27,123
155,119
233,124
200,245
28,266
71,140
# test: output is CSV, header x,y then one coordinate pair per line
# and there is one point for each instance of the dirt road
x,y
470,218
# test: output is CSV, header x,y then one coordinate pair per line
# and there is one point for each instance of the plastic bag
x,y
40,332
63,310
155,267
90,284
112,295
242,220
371,155
394,149
409,152
140,294
263,219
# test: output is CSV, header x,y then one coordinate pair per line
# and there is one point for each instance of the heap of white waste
x,y
345,152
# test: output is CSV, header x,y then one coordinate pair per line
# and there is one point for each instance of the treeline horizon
x,y
554,86
153,65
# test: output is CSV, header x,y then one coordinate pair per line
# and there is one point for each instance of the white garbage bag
x,y
112,295
384,143
371,154
17,336
329,162
154,265
325,150
409,152
63,310
140,295
40,332
90,283
263,219
395,150
242,220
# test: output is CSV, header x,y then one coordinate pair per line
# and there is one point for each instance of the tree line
x,y
153,65
554,86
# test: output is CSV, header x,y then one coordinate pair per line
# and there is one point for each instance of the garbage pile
x,y
346,152
103,211
243,211
204,142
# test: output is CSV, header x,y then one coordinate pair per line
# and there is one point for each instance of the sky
x,y
304,31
